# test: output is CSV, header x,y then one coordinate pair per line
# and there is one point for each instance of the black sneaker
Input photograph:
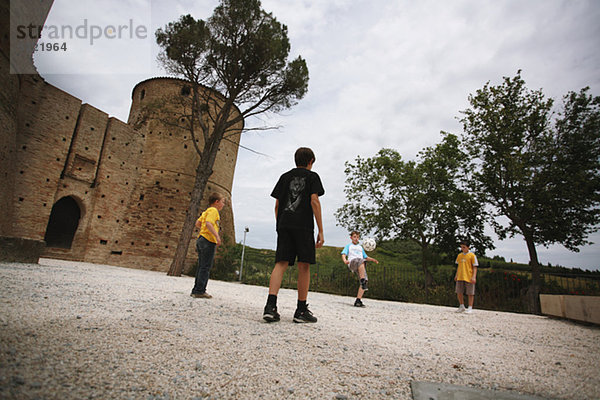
x,y
363,284
358,303
270,314
304,316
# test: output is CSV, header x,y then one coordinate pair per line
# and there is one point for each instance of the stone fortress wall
x,y
80,185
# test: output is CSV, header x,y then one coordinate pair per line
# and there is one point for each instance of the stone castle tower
x,y
80,185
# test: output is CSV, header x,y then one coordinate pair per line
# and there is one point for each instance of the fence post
x,y
384,281
267,276
347,284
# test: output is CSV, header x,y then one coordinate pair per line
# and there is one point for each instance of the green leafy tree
x,y
427,201
538,168
241,54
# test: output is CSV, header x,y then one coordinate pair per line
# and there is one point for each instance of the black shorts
x,y
292,243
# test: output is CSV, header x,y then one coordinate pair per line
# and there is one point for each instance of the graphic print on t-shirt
x,y
297,185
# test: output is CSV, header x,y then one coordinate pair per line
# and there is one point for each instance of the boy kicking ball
x,y
466,276
355,257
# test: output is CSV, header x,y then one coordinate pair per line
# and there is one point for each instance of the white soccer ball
x,y
369,244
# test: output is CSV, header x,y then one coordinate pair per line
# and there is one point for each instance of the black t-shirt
x,y
293,190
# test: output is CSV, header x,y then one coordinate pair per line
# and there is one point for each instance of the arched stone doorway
x,y
63,223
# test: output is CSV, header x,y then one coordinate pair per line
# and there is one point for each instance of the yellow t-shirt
x,y
466,262
210,215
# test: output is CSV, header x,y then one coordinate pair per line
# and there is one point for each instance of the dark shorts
x,y
295,243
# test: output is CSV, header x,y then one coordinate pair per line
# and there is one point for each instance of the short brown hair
x,y
214,197
355,232
304,156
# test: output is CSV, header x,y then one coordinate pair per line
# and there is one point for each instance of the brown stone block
x,y
20,249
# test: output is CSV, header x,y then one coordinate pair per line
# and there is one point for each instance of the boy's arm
x,y
475,265
212,230
316,208
276,207
456,273
372,260
199,223
345,255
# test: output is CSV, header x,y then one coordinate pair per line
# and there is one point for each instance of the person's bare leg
x,y
277,276
303,280
360,293
471,300
361,271
461,300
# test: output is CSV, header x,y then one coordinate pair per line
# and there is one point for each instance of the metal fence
x,y
496,289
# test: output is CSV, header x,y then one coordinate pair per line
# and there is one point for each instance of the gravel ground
x,y
75,330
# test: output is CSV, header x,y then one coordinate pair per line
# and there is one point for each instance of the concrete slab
x,y
444,391
583,308
578,308
553,304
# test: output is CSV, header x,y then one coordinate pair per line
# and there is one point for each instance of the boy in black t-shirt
x,y
296,201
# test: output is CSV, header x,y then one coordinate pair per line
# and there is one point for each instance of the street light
x,y
246,230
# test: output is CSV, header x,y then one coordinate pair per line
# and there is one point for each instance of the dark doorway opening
x,y
63,223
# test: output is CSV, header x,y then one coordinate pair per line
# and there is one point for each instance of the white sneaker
x,y
469,310
461,309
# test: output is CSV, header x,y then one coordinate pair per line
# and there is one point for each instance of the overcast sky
x,y
383,73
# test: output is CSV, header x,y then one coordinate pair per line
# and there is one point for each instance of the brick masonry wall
x,y
116,191
169,163
79,176
46,121
11,14
132,183
8,136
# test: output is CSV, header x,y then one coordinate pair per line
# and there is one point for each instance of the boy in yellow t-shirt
x,y
208,239
466,276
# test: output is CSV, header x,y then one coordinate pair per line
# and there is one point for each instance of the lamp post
x,y
246,230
